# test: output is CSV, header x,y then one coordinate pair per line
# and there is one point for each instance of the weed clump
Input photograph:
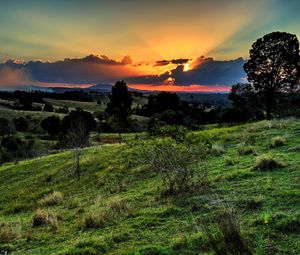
x,y
226,236
118,205
277,141
54,198
244,149
7,233
217,150
267,162
230,161
94,219
45,218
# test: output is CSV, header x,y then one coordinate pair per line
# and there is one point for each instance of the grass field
x,y
122,195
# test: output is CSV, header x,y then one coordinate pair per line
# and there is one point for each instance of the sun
x,y
186,67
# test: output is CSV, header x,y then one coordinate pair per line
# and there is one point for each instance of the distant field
x,y
121,190
88,106
9,113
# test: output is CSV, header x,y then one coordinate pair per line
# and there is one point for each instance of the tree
x,y
6,127
245,98
273,66
20,124
119,107
76,127
51,125
48,108
76,138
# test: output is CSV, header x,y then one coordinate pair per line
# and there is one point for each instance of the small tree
x,y
48,108
119,107
51,125
273,66
20,124
76,129
7,127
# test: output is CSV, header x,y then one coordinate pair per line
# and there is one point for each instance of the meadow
x,y
118,205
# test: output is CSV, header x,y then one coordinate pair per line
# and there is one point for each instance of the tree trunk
x,y
120,138
78,167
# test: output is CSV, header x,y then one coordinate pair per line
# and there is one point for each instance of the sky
x,y
171,44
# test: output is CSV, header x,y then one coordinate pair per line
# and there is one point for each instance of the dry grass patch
x,y
7,233
54,198
267,162
277,141
45,218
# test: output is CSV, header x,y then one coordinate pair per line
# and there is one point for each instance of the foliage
x,y
54,198
119,107
273,66
51,125
175,163
267,162
277,141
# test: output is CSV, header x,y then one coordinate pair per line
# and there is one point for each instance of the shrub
x,y
174,163
267,162
45,218
7,233
226,237
277,141
94,219
217,149
54,198
230,161
244,149
118,205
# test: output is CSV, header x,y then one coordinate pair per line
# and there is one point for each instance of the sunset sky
x,y
197,45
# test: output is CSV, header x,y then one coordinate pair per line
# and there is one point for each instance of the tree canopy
x,y
273,66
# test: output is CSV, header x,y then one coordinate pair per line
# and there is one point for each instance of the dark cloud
x,y
204,71
96,69
179,61
89,69
211,72
127,60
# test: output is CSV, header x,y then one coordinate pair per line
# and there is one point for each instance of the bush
x,y
174,163
226,236
118,205
277,141
54,198
45,218
217,149
94,219
244,149
20,124
7,233
230,161
267,162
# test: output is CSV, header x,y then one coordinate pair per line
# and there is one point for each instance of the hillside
x,y
123,194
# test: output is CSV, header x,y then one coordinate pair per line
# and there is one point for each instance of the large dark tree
x,y
273,66
119,107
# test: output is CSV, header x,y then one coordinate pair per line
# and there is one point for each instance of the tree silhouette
x,y
273,66
119,107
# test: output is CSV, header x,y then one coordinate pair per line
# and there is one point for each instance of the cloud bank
x,y
94,69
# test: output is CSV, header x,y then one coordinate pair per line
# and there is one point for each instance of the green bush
x,y
217,149
267,162
7,233
277,141
244,149
54,198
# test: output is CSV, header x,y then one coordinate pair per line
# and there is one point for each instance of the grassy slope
x,y
164,225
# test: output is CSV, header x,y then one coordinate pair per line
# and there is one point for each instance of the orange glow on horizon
x,y
177,88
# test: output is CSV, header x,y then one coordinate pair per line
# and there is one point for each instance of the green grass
x,y
267,203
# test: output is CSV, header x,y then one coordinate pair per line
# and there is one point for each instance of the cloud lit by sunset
x,y
186,44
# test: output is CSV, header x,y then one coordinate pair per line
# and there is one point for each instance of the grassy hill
x,y
117,207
